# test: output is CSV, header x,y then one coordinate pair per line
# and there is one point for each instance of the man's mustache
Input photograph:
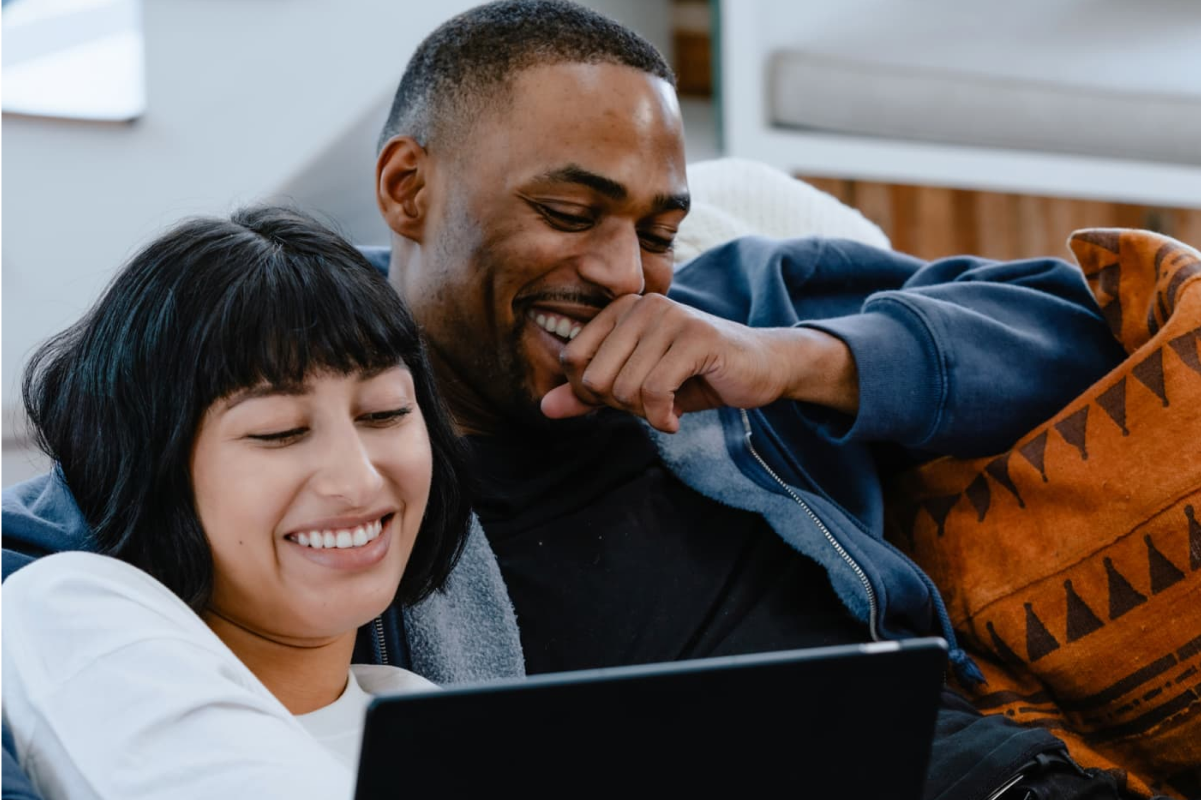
x,y
585,297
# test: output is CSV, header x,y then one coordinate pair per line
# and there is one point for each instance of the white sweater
x,y
113,688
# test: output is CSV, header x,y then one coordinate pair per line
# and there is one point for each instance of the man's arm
x,y
958,355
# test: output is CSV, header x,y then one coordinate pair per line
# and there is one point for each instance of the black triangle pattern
x,y
1004,651
1105,238
998,468
1186,347
1149,373
980,496
1108,278
1113,316
1122,596
1073,429
1035,451
1039,641
1163,572
1186,271
1081,619
1194,539
939,507
1113,402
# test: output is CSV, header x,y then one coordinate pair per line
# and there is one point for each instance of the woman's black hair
x,y
212,307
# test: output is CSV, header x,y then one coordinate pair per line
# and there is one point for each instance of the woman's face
x,y
311,501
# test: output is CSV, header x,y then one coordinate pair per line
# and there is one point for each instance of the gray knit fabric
x,y
468,632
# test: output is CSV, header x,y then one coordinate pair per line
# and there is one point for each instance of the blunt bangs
x,y
288,316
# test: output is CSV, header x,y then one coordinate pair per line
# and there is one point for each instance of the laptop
x,y
850,721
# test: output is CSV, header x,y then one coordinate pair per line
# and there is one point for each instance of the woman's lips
x,y
351,557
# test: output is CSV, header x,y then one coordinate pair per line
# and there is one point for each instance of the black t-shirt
x,y
609,559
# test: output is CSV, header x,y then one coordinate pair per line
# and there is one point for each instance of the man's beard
x,y
513,396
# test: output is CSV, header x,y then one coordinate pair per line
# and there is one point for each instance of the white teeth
x,y
345,538
560,326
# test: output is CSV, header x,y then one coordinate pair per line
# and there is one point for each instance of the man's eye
x,y
563,220
656,244
384,418
279,437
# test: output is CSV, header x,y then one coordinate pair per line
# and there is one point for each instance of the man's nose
x,y
347,470
615,262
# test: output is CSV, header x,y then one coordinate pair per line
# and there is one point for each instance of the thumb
x,y
561,403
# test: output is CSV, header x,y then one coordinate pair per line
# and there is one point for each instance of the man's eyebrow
x,y
672,202
574,173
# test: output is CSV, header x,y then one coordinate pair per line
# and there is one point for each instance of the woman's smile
x,y
352,549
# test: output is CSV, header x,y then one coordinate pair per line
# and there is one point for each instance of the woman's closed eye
x,y
371,419
382,419
278,437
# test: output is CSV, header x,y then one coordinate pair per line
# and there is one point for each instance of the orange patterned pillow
x,y
1071,564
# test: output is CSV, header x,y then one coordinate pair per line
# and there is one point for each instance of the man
x,y
532,173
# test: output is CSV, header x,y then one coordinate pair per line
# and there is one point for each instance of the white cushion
x,y
734,197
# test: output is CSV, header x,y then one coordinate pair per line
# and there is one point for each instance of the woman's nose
x,y
347,470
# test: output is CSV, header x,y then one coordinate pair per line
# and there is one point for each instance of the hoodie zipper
x,y
377,631
873,608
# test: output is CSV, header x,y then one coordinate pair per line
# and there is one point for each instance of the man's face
x,y
561,201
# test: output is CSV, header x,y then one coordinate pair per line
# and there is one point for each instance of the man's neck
x,y
303,678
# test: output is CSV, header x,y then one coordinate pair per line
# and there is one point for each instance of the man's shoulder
x,y
40,516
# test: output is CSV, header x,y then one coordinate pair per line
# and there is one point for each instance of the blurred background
x,y
955,126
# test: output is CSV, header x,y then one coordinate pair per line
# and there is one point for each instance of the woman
x,y
248,423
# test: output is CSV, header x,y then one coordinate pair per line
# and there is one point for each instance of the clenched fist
x,y
656,358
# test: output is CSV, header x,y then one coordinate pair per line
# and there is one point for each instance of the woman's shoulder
x,y
72,578
377,679
69,609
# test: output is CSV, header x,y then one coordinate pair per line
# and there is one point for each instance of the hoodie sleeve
x,y
963,355
113,688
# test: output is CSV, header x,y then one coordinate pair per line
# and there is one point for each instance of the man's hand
x,y
659,359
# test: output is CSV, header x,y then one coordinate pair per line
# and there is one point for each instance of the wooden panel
x,y
933,222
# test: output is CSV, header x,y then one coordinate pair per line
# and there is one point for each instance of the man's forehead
x,y
610,128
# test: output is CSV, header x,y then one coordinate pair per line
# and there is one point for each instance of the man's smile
x,y
560,325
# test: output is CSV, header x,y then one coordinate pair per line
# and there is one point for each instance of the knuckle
x,y
657,394
625,396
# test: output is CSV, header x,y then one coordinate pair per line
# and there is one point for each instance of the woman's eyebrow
x,y
367,374
266,390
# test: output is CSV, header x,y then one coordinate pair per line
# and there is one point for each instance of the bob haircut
x,y
212,307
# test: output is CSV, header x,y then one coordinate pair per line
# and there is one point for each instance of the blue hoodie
x,y
959,356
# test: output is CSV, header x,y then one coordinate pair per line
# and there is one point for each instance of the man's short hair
x,y
464,65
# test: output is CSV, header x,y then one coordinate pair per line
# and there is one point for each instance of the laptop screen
x,y
848,721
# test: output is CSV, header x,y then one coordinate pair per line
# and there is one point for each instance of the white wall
x,y
239,93
246,99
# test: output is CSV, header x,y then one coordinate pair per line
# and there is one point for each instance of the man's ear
x,y
400,186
